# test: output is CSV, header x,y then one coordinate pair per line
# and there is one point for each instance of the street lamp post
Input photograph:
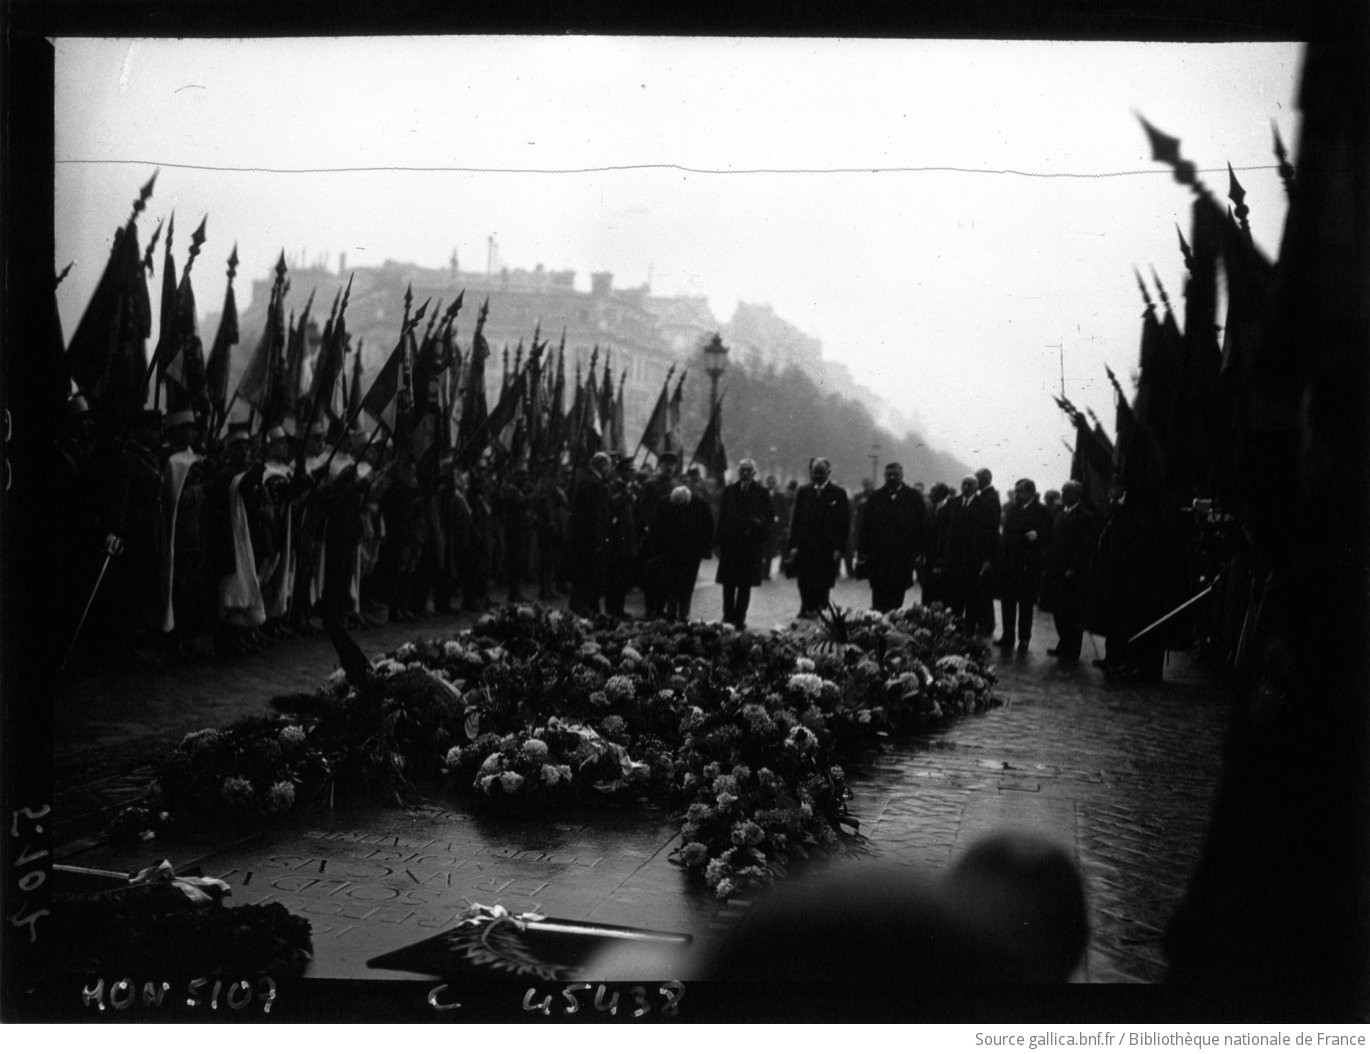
x,y
715,363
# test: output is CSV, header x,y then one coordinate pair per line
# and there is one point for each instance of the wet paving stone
x,y
1121,775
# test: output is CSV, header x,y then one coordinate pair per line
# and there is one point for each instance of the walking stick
x,y
1170,615
112,549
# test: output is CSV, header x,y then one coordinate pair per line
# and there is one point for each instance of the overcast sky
x,y
941,278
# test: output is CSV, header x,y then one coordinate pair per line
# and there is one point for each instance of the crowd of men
x,y
191,545
196,545
968,547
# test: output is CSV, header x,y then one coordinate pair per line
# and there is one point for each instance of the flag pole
x,y
1171,614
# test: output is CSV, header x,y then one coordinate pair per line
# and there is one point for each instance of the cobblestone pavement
x,y
1120,775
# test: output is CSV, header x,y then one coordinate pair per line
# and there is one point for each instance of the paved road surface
x,y
1122,776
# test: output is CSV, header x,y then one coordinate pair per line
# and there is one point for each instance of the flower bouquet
x,y
533,709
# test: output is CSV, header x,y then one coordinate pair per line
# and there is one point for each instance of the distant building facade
x,y
625,324
641,334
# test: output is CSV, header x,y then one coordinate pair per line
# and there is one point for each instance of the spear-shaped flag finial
x,y
196,240
233,262
484,314
347,293
281,268
144,194
1237,194
1166,149
63,274
1185,250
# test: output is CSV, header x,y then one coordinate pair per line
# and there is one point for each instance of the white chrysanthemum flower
x,y
619,688
194,742
236,790
534,749
491,764
281,796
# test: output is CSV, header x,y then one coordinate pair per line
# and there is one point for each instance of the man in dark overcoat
x,y
589,536
990,509
681,535
621,561
1027,528
745,519
818,536
892,537
932,576
1065,572
653,492
963,558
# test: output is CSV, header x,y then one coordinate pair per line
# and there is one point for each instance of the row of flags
x,y
1200,401
429,396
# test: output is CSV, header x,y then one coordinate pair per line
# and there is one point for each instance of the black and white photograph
x,y
557,522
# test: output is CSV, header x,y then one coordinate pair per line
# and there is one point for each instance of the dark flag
x,y
354,389
501,427
254,386
620,429
297,378
185,370
1208,440
537,410
608,440
220,355
324,397
167,337
710,452
428,364
473,410
575,419
556,416
1258,383
1091,463
108,352
672,441
654,435
386,385
456,374
1277,899
1167,396
589,436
